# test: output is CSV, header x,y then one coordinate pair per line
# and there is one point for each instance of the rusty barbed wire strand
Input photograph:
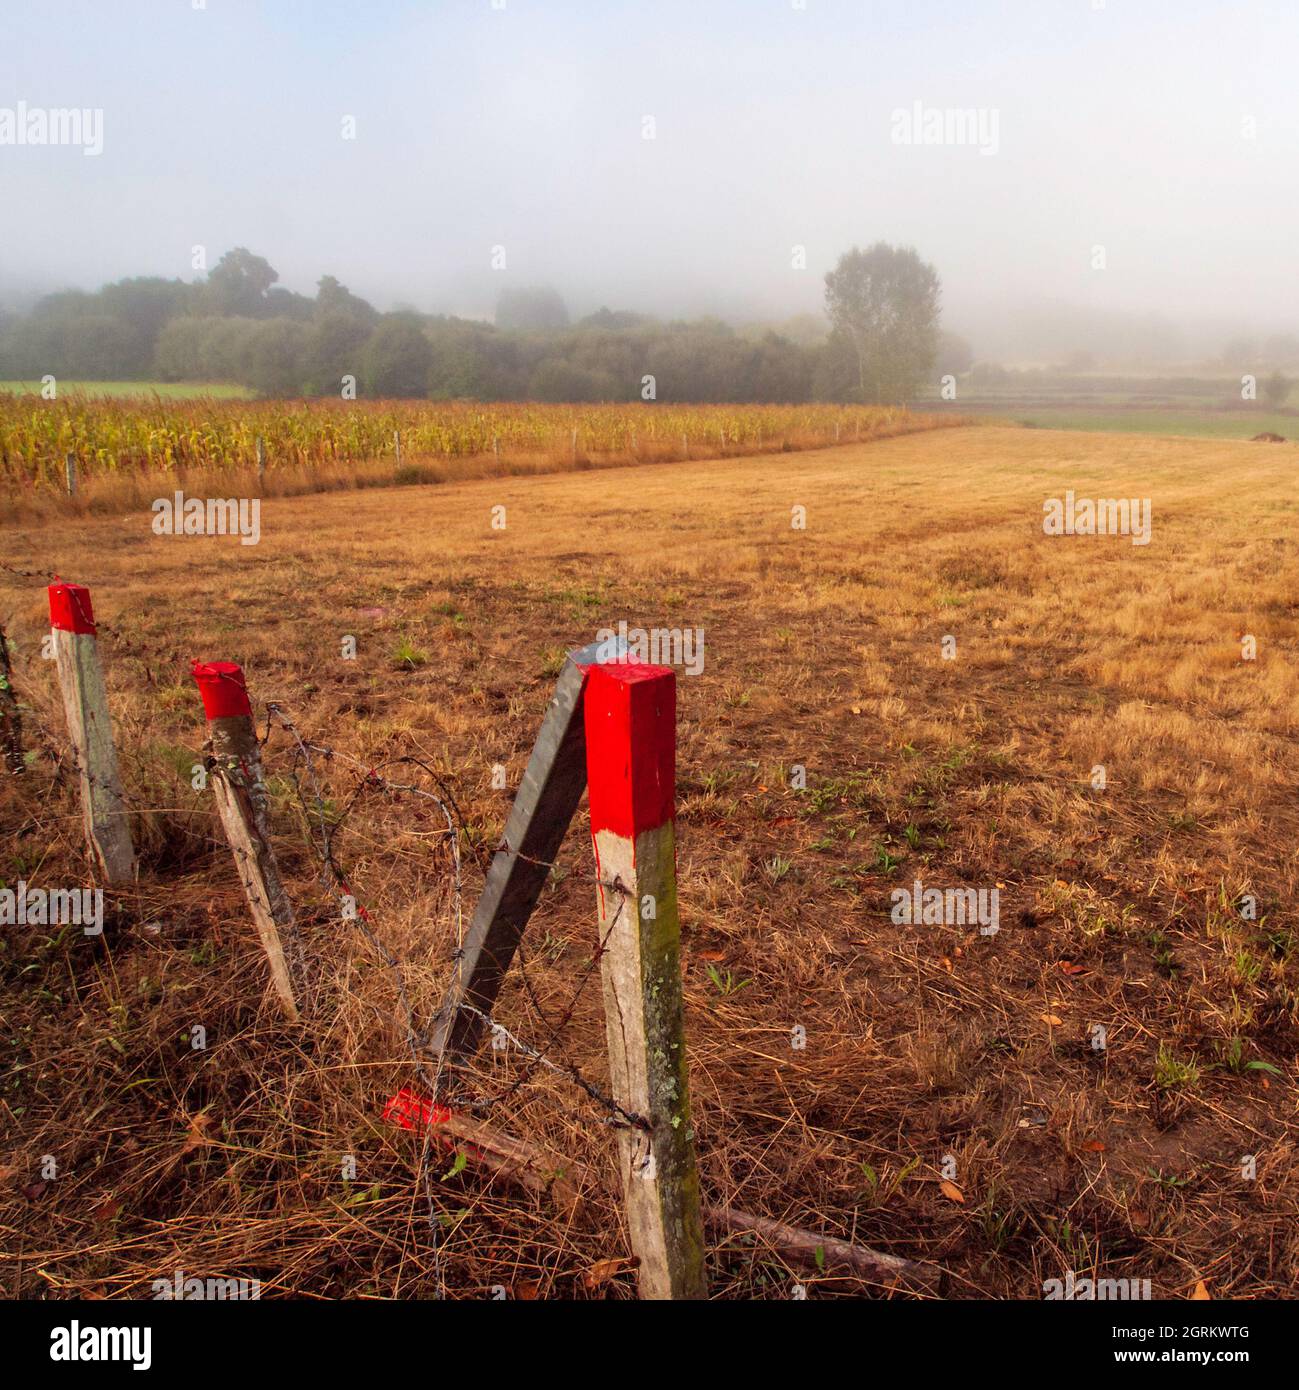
x,y
334,878
419,1039
322,830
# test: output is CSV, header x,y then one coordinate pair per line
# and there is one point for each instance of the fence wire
x,y
465,1088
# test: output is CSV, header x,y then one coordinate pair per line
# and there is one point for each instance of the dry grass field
x,y
951,1103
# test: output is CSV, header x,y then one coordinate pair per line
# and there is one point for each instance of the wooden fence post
x,y
630,713
547,798
11,720
235,765
70,473
85,703
396,444
261,462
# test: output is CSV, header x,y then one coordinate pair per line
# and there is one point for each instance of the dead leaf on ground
x,y
197,1137
1053,1020
602,1271
951,1192
1200,1294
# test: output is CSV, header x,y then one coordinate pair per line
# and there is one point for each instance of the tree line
x,y
239,325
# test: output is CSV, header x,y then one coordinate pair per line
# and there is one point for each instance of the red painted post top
x,y
70,609
222,686
631,746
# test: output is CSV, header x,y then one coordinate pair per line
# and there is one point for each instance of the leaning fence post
x,y
70,473
547,800
396,444
11,720
85,703
235,765
631,774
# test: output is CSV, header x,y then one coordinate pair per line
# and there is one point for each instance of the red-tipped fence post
x,y
630,713
85,703
235,766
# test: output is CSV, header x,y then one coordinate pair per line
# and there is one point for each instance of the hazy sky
x,y
1123,126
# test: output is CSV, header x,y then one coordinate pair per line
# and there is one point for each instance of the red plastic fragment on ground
x,y
410,1110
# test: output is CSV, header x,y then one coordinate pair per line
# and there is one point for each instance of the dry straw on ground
x,y
1120,908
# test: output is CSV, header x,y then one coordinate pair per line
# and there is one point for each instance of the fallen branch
x,y
802,1247
512,1159
515,1160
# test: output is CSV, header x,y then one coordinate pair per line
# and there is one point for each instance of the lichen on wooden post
x,y
630,713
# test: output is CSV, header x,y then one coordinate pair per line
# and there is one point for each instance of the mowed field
x,y
1104,1086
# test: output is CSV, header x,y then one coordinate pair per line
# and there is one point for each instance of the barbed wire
x,y
445,1085
26,574
337,879
448,1085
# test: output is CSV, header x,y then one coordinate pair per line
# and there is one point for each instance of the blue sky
x,y
479,127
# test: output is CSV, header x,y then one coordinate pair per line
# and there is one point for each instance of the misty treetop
x,y
885,302
241,326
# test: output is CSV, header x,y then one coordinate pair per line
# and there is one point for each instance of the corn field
x,y
148,434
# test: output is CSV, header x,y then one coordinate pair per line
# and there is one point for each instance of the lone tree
x,y
884,301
